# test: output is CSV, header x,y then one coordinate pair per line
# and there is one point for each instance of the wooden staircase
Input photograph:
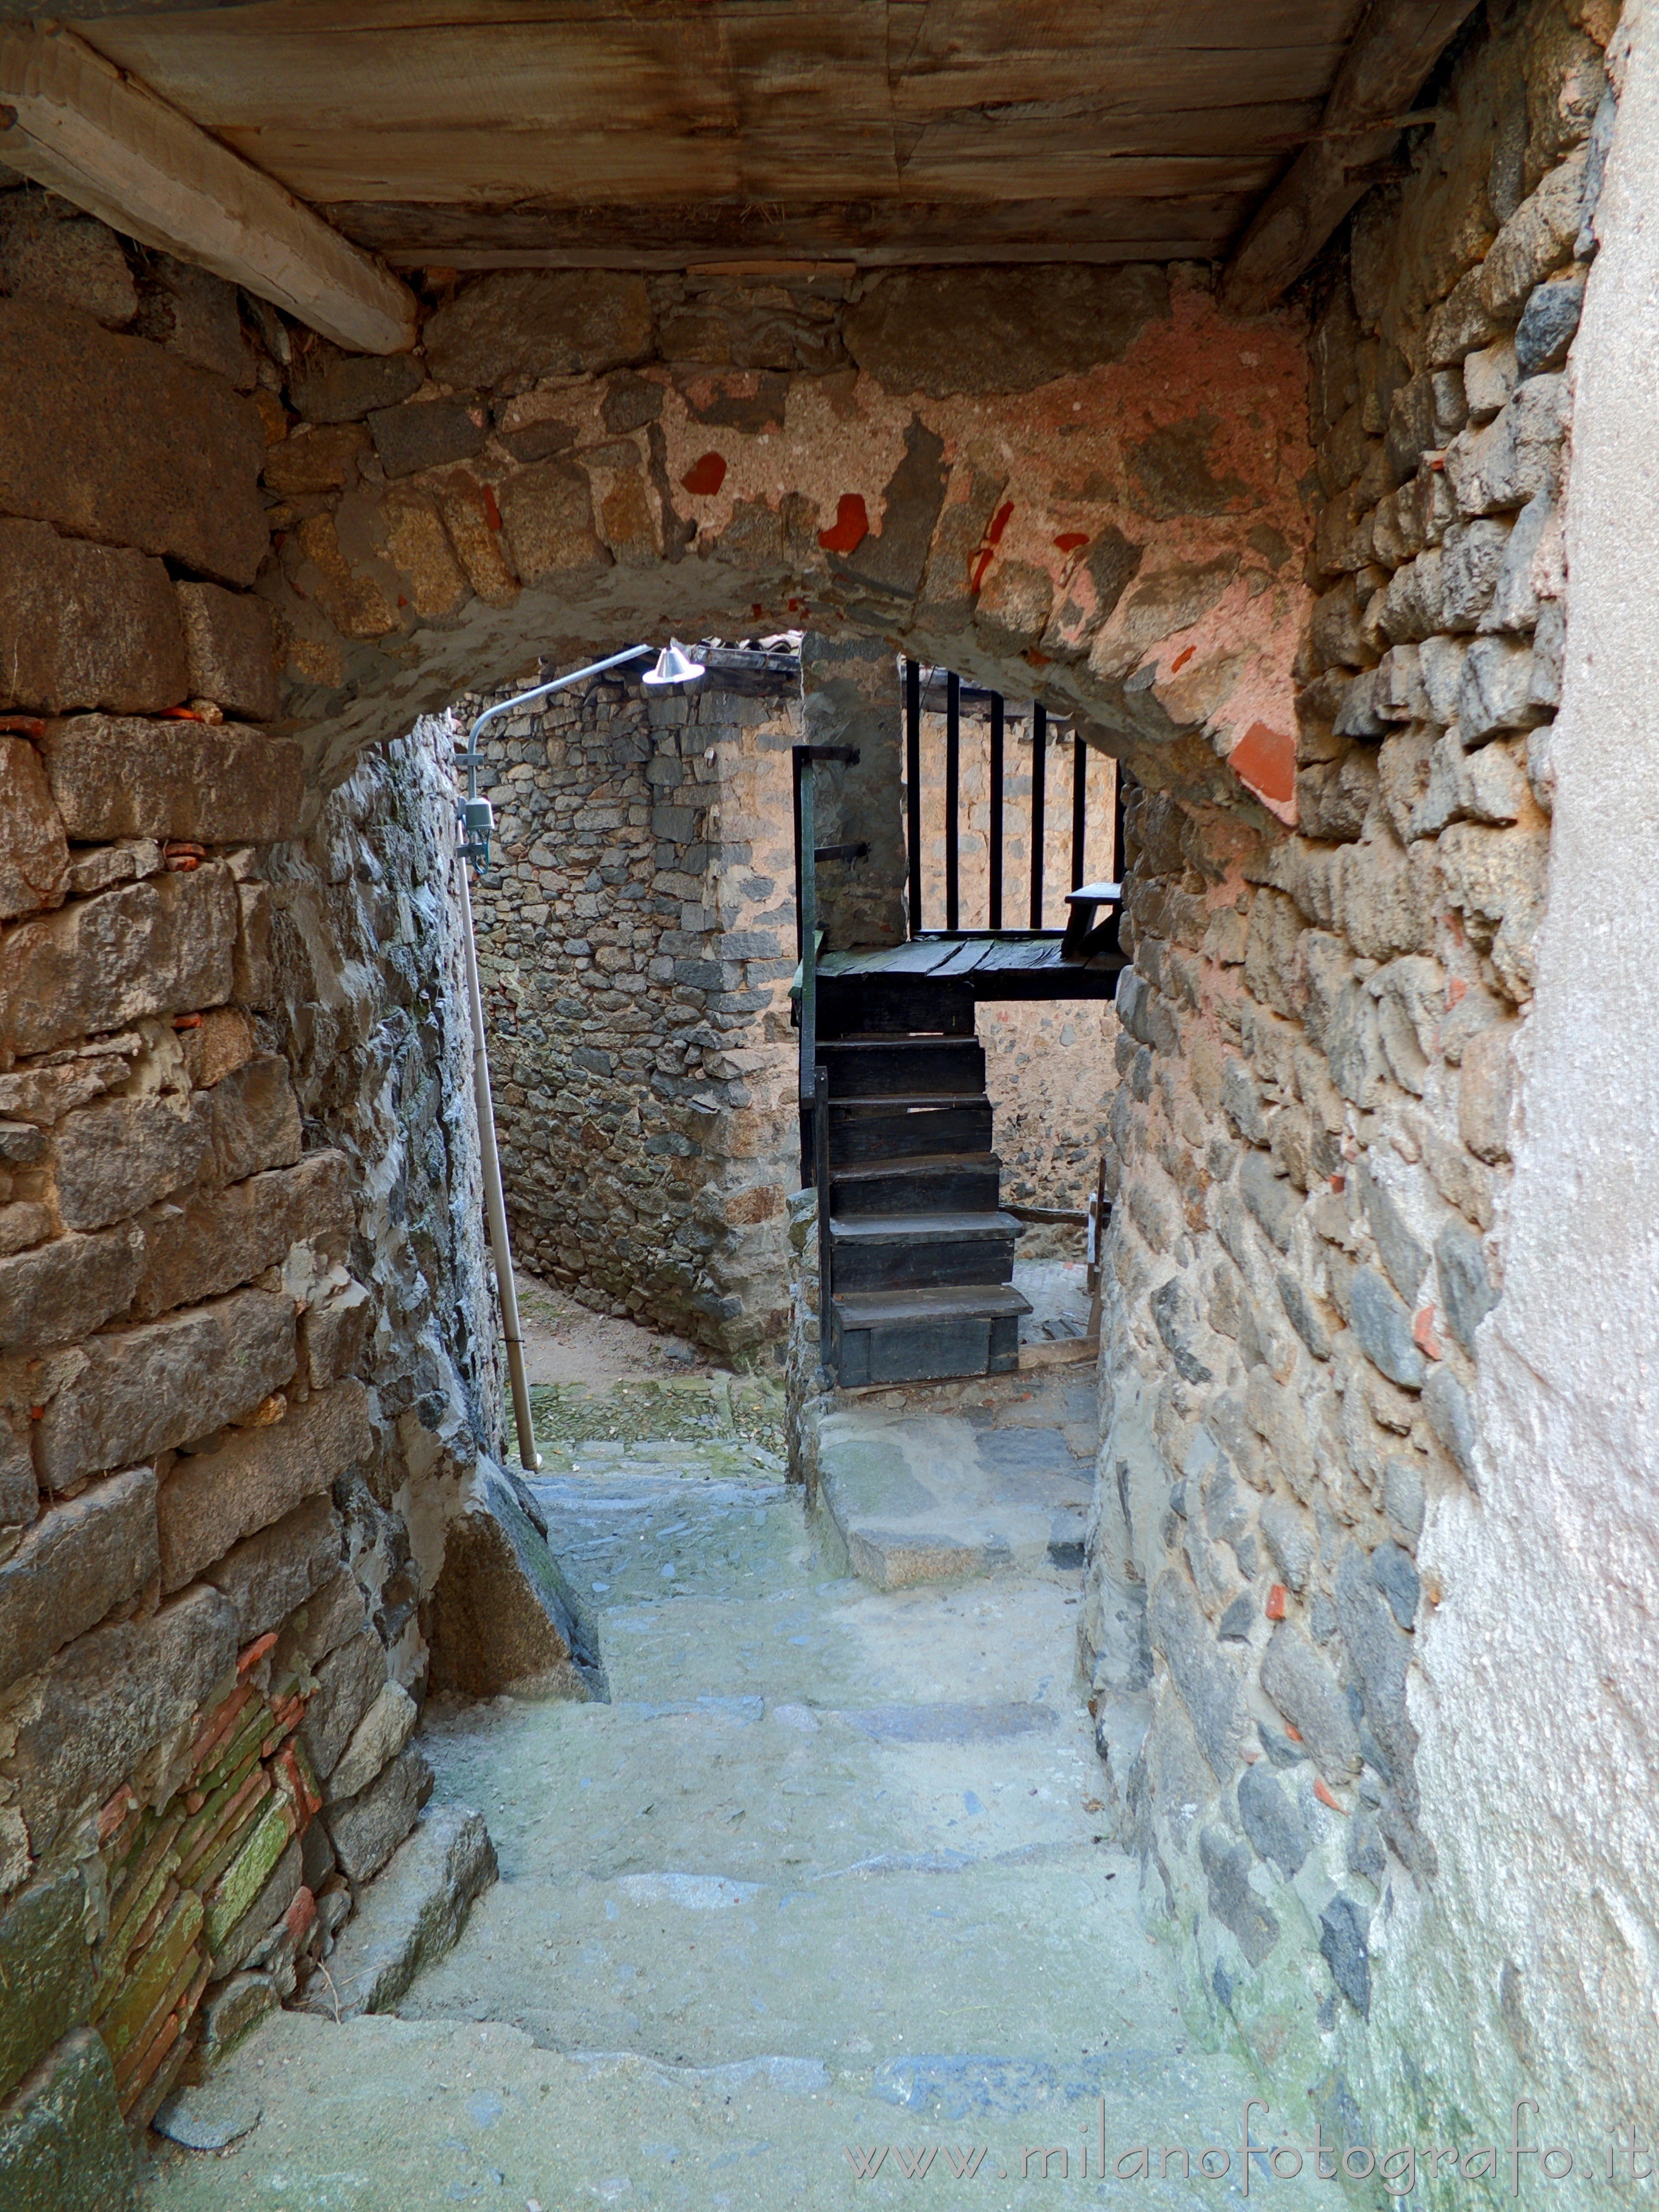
x,y
921,1257
915,1254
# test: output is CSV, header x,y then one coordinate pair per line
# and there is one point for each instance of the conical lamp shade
x,y
674,665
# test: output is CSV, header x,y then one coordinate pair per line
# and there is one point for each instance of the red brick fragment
x,y
1276,1602
217,1726
306,1797
110,1815
989,545
255,1652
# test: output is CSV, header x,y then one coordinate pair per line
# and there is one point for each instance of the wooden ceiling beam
x,y
874,233
75,123
1396,45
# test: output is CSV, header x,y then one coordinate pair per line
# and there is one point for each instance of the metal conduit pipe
x,y
477,819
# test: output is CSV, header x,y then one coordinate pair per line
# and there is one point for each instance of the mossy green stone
x,y
45,1974
245,1875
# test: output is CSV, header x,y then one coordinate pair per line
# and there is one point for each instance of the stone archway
x,y
1084,481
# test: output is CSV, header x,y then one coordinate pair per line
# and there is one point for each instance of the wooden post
x,y
1396,45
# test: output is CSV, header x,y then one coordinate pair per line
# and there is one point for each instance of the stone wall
x,y
635,945
1313,1140
242,1308
242,1314
1537,1744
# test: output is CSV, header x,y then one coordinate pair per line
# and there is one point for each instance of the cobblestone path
x,y
822,1885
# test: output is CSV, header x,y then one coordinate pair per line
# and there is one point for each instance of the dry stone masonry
x,y
241,1289
1313,1132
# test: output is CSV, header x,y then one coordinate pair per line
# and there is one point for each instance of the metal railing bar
x,y
995,854
1080,811
952,800
913,784
807,907
1039,776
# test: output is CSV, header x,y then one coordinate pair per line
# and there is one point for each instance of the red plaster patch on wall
x,y
1264,759
989,545
1069,540
1182,659
851,528
705,476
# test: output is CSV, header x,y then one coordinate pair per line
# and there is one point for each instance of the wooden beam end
x,y
75,124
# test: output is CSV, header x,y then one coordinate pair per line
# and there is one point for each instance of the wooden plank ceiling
x,y
664,133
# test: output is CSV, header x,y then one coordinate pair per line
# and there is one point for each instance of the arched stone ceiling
x,y
1081,483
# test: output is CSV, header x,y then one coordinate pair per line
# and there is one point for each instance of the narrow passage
x,y
825,1876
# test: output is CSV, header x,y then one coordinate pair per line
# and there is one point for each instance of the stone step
x,y
893,1005
957,1481
383,2113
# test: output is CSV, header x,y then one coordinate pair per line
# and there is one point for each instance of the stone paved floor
x,y
933,1482
826,1872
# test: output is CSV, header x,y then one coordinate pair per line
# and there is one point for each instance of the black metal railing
x,y
1083,763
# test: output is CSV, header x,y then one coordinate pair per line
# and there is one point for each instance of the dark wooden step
x,y
901,1067
925,1183
898,1128
920,1251
893,1005
918,1336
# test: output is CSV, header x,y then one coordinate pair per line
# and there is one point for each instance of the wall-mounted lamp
x,y
674,665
